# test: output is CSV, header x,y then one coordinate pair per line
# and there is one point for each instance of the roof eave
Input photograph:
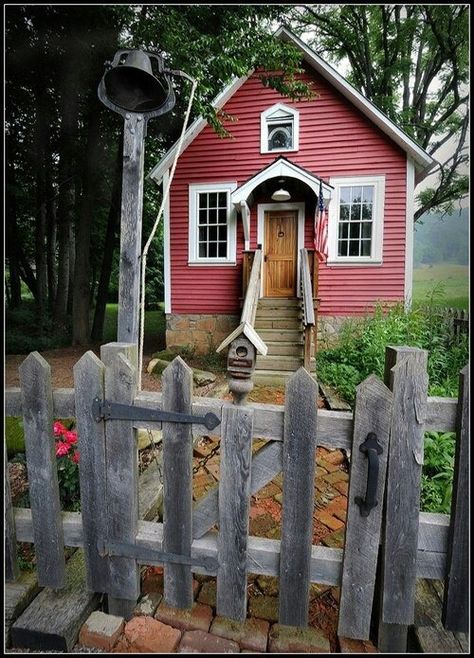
x,y
423,161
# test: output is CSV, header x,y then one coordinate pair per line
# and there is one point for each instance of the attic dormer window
x,y
279,129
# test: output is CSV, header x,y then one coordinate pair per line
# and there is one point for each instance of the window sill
x,y
207,263
292,150
354,261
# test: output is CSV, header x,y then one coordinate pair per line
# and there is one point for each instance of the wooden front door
x,y
280,257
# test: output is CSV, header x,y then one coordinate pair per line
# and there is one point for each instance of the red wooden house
x,y
263,188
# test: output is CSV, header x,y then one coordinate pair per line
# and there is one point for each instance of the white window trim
x,y
193,258
264,128
262,208
378,219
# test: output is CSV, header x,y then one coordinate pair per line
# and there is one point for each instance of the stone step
x,y
284,348
280,312
279,302
277,323
294,336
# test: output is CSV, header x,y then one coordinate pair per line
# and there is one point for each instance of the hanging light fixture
x,y
281,194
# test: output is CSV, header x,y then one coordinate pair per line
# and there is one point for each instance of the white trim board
x,y
167,246
264,207
410,237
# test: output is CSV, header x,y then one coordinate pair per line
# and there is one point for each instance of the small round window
x,y
280,138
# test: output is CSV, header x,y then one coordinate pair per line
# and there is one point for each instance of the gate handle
x,y
372,449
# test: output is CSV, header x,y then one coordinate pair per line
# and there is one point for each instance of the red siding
x,y
335,140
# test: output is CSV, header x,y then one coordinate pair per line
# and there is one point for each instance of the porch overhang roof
x,y
284,168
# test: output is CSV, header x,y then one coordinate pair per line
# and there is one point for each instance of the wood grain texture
x,y
53,620
18,595
408,381
122,474
263,555
89,383
131,228
456,597
37,403
234,505
428,629
177,384
298,497
335,427
11,563
266,464
372,413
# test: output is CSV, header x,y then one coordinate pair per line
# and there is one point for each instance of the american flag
x,y
321,228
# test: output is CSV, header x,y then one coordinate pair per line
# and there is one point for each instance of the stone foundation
x,y
329,328
203,332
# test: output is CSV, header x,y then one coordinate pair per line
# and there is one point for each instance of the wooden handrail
x,y
252,293
307,290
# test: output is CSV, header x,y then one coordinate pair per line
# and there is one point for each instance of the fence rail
x,y
116,542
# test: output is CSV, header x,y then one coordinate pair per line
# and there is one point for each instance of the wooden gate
x,y
405,543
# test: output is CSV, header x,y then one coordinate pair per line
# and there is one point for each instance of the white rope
x,y
152,234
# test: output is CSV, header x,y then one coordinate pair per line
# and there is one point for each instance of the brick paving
x,y
200,630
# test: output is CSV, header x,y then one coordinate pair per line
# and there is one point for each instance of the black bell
x,y
134,87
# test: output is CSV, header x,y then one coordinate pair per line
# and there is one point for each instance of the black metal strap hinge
x,y
148,555
105,410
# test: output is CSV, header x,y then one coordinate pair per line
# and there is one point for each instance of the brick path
x,y
200,630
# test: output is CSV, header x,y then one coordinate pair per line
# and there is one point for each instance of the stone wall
x,y
329,328
204,332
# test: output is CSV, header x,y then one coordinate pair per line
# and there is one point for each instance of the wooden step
x,y
278,362
284,348
272,377
294,336
279,302
280,312
277,323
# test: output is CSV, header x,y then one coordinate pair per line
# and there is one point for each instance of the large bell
x,y
133,86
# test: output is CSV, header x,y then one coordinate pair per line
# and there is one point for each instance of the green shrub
x,y
438,468
14,435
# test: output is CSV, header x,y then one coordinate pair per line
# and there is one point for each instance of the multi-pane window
x,y
356,204
212,225
356,219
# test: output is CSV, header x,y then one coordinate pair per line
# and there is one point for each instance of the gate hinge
x,y
105,410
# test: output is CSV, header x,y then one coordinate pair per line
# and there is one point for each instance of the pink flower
x,y
70,437
58,428
75,457
62,448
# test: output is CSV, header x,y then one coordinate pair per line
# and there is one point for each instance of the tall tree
x,y
412,62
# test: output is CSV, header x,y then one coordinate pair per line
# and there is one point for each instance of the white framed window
x,y
279,129
355,227
212,224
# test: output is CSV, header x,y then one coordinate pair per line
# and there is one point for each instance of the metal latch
x,y
105,410
146,555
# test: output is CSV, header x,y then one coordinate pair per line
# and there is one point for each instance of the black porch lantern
x,y
130,85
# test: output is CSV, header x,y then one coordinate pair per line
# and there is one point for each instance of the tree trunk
x,y
81,297
51,242
65,211
41,146
111,242
11,235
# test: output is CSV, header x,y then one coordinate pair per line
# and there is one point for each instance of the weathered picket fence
x,y
407,544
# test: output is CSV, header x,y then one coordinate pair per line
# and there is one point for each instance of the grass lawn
x,y
154,326
447,278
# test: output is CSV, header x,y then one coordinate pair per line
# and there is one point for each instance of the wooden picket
x,y
116,543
